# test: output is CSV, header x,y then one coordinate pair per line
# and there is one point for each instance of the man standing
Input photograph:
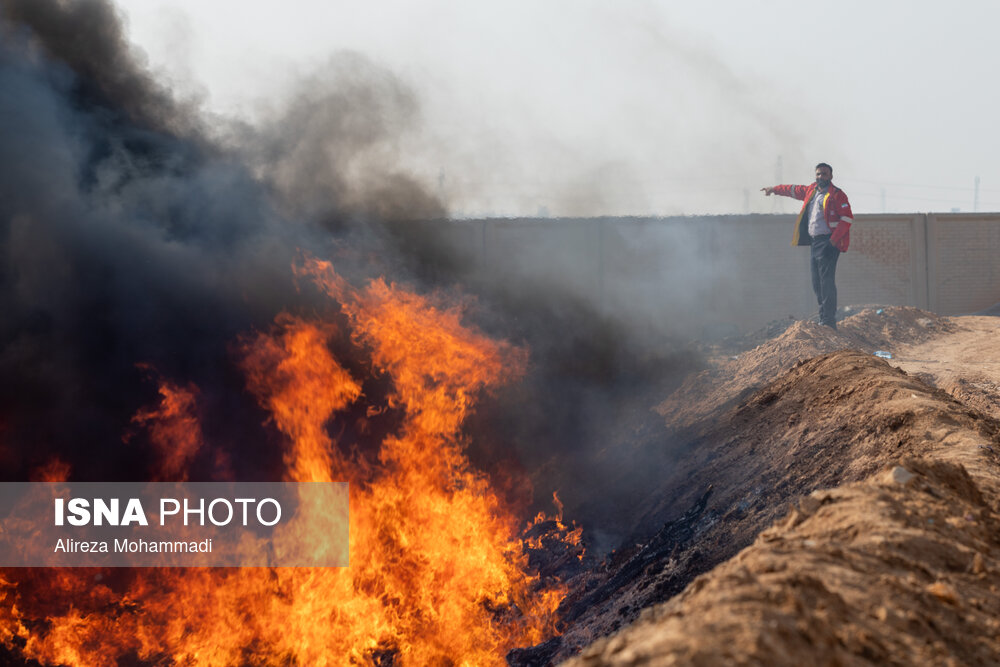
x,y
824,223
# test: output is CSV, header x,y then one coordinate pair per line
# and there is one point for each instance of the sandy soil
x,y
830,507
966,364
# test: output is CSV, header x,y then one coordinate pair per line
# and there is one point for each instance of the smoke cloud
x,y
128,236
141,237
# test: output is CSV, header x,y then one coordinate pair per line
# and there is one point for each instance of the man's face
x,y
823,176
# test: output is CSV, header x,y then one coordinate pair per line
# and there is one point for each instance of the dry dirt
x,y
827,506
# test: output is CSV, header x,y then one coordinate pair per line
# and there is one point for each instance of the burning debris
x,y
179,291
438,568
137,248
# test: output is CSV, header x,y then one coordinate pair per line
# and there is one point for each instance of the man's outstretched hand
x,y
767,191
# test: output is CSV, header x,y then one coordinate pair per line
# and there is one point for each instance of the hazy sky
x,y
577,107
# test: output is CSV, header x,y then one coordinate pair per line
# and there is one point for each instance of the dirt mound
x,y
965,363
901,569
890,326
838,421
871,330
874,323
984,395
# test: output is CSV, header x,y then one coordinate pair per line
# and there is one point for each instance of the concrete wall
x,y
721,274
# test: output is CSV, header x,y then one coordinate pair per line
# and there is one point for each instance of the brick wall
x,y
886,263
964,266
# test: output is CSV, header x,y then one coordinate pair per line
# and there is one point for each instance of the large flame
x,y
438,573
174,430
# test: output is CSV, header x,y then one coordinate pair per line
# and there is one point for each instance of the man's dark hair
x,y
824,164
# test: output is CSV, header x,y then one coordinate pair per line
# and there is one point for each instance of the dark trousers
x,y
823,263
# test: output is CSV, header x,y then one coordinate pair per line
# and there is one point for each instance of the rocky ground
x,y
822,505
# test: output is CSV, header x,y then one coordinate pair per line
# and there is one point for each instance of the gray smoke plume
x,y
128,236
134,231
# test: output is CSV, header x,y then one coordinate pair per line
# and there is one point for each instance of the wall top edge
x,y
861,217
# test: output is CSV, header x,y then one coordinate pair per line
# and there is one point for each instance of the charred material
x,y
551,553
535,656
673,537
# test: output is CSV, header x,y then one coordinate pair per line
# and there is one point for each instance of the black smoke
x,y
134,230
131,234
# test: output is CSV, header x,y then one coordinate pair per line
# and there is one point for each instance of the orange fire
x,y
54,470
173,429
438,573
566,536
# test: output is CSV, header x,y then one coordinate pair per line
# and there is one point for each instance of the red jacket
x,y
836,212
